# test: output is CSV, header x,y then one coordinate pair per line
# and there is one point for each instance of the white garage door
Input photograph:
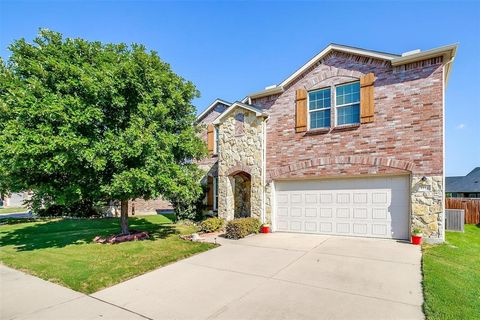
x,y
365,207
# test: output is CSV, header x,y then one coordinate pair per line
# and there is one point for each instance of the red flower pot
x,y
265,229
416,240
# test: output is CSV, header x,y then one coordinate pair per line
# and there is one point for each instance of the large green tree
x,y
83,121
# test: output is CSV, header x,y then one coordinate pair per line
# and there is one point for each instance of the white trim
x,y
238,104
215,193
210,107
215,139
274,207
447,51
264,169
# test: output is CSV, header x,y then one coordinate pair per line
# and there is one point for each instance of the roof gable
x,y
448,52
211,107
258,112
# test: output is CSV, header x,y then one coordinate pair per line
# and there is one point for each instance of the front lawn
x,y
451,276
12,210
62,251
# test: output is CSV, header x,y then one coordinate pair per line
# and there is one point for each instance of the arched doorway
x,y
241,194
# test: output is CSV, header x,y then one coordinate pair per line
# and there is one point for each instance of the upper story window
x,y
215,140
319,108
347,103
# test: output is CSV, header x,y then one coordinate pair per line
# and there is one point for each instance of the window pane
x,y
319,99
349,114
320,119
349,93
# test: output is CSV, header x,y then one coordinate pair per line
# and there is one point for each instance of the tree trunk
x,y
124,217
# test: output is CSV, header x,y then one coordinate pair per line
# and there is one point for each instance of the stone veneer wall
x,y
240,153
427,206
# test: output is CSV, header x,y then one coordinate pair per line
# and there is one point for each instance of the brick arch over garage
x,y
286,170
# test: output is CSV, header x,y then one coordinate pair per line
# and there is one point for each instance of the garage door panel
x,y
343,198
310,213
282,211
380,213
380,230
311,198
325,212
296,225
343,213
343,228
326,198
360,198
372,207
311,226
296,199
360,229
296,212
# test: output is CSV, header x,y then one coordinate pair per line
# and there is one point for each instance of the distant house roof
x,y
468,183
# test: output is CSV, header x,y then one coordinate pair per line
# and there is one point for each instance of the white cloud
x,y
461,126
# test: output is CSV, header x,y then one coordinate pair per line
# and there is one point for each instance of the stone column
x,y
427,207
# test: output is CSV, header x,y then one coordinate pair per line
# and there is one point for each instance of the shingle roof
x,y
468,183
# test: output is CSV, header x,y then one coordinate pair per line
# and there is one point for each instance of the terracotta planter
x,y
265,229
417,240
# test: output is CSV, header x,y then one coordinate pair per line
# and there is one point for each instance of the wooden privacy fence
x,y
471,207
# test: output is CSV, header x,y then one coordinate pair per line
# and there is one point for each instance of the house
x,y
464,187
352,143
15,199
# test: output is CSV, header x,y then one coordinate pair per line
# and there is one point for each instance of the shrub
x,y
211,224
240,228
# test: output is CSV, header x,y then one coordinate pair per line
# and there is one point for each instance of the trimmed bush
x,y
211,224
240,228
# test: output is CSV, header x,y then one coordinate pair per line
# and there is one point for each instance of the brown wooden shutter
x,y
210,193
367,109
301,110
210,138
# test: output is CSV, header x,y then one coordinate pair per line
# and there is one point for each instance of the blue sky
x,y
231,49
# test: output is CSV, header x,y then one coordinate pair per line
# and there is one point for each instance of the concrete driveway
x,y
282,276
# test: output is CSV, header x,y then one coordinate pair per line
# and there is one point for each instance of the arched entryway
x,y
242,191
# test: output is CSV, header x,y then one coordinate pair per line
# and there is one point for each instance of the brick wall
x,y
148,206
407,127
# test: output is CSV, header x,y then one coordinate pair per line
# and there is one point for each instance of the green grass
x,y
12,210
61,250
451,276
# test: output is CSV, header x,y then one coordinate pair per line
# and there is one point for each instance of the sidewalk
x,y
26,297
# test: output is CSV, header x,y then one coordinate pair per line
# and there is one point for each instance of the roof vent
x,y
410,52
271,87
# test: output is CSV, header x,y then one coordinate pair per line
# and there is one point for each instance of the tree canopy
x,y
87,121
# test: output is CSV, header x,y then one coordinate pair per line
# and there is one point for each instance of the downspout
x,y
264,168
443,143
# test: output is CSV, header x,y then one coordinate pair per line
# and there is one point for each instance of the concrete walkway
x,y
26,297
282,276
274,276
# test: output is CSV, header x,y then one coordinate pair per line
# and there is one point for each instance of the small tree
x,y
84,121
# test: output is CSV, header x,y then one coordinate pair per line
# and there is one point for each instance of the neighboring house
x,y
352,143
15,199
464,187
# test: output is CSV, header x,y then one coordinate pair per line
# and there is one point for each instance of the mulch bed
x,y
134,235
